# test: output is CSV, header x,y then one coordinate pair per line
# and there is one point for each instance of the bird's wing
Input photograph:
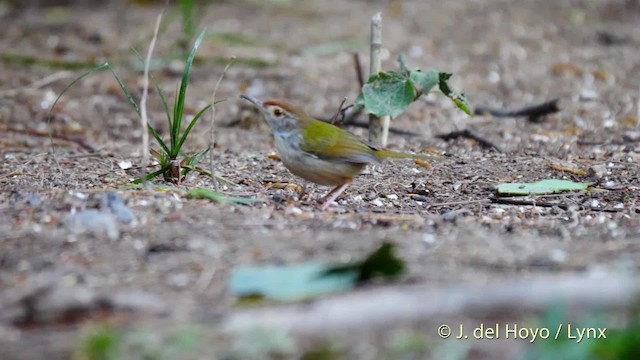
x,y
329,142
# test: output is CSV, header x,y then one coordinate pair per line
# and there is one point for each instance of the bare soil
x,y
171,265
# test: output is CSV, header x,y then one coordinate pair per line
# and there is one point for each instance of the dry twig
x,y
212,138
470,134
144,120
533,113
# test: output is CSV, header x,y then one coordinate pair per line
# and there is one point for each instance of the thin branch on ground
x,y
533,113
212,139
470,134
144,120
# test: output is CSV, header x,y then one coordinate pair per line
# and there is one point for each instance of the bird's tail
x,y
400,155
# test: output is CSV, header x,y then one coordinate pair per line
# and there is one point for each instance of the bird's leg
x,y
333,194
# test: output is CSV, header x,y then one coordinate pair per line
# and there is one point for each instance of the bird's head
x,y
281,116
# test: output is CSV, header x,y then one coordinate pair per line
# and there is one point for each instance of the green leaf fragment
x,y
381,263
303,281
425,81
547,186
402,61
202,193
286,283
388,94
459,99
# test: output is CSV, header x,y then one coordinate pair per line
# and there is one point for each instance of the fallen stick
x,y
381,307
533,113
470,134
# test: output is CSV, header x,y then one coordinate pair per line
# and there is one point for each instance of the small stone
x,y
118,208
392,197
98,223
589,95
137,301
557,256
632,136
294,210
377,202
125,164
599,170
429,238
178,280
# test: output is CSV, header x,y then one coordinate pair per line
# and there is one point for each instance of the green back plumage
x,y
330,142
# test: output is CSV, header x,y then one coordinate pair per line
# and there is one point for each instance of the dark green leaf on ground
x,y
381,263
303,281
286,283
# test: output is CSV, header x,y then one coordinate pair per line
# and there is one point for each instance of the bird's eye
x,y
278,112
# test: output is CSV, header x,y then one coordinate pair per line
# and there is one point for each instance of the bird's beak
x,y
254,101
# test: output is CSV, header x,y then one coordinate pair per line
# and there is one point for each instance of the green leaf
x,y
402,61
178,108
461,102
359,102
547,186
381,263
286,283
202,193
388,94
152,175
196,158
459,99
425,81
303,281
103,342
191,124
158,139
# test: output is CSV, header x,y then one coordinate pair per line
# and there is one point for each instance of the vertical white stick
x,y
212,139
143,103
378,127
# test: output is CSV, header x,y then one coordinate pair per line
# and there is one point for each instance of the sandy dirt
x,y
171,264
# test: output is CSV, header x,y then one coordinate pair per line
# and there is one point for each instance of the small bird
x,y
318,151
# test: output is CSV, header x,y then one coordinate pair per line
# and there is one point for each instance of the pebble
x,y
377,202
96,222
125,164
118,208
588,95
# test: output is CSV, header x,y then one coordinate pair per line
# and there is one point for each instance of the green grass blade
x,y
124,90
191,124
162,98
158,138
87,73
178,108
195,159
152,175
173,135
